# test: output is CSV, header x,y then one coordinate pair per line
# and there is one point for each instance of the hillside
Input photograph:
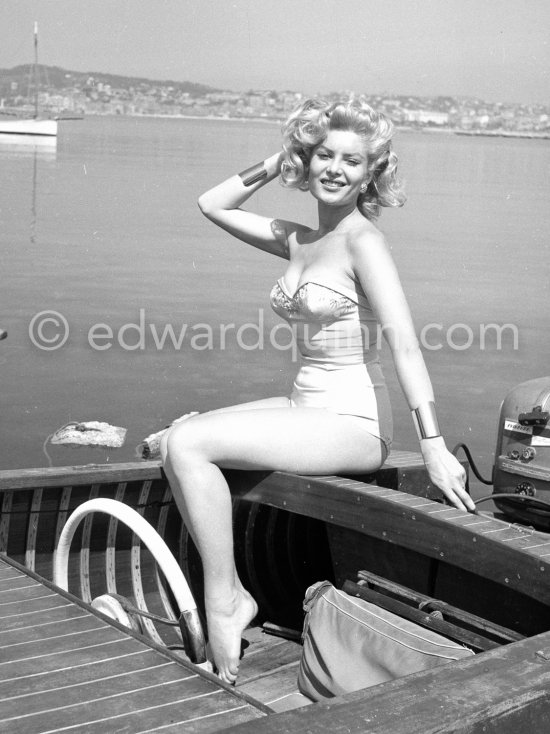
x,y
54,78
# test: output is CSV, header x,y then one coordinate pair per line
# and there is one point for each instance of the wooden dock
x,y
63,669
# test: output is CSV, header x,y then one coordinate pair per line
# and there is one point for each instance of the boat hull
x,y
291,530
29,127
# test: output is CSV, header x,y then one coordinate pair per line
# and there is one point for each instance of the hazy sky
x,y
492,49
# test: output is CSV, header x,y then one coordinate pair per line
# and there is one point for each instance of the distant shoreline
x,y
220,118
279,121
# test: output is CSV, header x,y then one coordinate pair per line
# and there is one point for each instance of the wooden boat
x,y
36,125
65,666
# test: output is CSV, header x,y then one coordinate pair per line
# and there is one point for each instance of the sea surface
x,y
103,246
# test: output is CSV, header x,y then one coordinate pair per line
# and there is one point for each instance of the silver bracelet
x,y
425,421
253,174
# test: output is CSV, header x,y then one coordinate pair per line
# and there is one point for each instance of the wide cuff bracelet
x,y
253,174
425,421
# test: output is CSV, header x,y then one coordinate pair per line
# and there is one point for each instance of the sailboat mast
x,y
35,69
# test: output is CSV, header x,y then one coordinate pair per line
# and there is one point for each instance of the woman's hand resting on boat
x,y
446,472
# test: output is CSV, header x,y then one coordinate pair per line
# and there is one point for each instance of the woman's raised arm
x,y
222,203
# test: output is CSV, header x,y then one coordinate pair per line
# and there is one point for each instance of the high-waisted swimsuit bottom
x,y
337,337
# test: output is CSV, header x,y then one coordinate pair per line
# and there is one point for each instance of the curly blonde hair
x,y
308,126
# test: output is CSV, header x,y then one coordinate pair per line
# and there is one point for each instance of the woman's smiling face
x,y
338,167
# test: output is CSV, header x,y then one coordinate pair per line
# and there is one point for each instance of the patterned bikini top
x,y
334,327
316,302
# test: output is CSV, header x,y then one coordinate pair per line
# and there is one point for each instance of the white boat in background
x,y
35,125
28,126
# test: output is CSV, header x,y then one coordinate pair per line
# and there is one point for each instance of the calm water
x,y
104,229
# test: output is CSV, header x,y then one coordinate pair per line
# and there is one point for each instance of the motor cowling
x,y
522,456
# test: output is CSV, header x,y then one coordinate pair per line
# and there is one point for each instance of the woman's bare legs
x,y
263,435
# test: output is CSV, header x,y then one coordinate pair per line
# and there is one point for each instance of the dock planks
x,y
65,669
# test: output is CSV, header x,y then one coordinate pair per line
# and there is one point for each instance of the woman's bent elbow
x,y
202,203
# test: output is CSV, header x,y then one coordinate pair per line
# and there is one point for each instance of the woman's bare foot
x,y
226,622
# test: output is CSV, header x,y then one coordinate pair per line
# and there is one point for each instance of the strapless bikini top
x,y
314,301
335,326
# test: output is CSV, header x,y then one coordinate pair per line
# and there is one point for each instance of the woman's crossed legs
x,y
266,434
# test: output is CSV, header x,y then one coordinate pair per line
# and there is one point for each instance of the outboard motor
x,y
522,456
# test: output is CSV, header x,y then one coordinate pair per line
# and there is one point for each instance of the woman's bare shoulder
x,y
365,239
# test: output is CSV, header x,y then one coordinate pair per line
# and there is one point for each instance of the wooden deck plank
x,y
32,665
280,683
47,633
66,669
269,667
264,664
214,715
32,604
56,611
99,690
48,711
66,675
212,722
11,584
91,638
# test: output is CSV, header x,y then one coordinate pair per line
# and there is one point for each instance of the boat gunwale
x,y
412,520
79,474
12,479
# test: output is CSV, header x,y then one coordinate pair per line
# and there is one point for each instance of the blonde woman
x,y
338,287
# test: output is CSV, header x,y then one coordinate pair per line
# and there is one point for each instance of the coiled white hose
x,y
156,545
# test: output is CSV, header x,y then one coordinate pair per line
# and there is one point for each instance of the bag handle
x,y
313,594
